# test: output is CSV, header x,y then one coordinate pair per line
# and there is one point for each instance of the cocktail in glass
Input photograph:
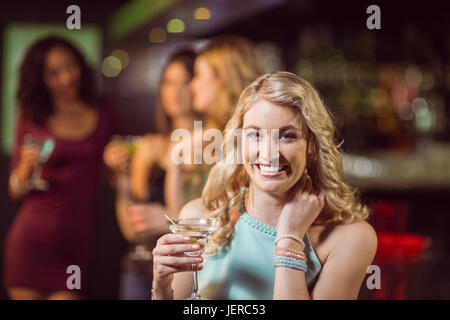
x,y
45,147
197,229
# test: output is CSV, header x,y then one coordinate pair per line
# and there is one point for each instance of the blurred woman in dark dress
x,y
54,226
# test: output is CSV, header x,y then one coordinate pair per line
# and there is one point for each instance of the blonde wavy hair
x,y
324,163
236,61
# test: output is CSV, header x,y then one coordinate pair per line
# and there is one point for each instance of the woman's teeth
x,y
271,169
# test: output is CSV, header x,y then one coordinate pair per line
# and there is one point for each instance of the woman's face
x,y
176,94
262,146
62,73
205,86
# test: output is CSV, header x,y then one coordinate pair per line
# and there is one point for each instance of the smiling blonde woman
x,y
295,231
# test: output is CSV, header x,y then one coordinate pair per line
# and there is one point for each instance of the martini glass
x,y
45,147
197,229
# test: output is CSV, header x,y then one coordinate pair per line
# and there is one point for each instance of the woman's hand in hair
x,y
302,208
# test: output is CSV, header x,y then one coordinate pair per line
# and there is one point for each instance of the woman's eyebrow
x,y
285,128
252,127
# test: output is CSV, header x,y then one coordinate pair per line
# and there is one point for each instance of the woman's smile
x,y
269,171
274,146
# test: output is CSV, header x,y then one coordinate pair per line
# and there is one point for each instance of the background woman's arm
x,y
142,163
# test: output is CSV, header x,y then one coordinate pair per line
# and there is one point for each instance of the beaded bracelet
x,y
290,263
286,251
289,255
288,259
290,236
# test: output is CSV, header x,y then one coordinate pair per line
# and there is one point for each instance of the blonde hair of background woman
x,y
324,161
237,63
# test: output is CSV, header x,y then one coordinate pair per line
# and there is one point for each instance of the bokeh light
x,y
157,35
122,56
363,167
419,103
425,119
175,25
111,66
202,14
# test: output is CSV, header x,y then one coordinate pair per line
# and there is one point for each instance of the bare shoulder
x,y
342,238
357,236
194,209
360,231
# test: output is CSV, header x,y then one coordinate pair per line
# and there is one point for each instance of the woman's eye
x,y
289,136
253,135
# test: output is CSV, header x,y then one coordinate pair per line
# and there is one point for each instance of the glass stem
x,y
195,290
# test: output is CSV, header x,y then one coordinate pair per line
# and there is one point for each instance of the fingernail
x,y
195,246
186,238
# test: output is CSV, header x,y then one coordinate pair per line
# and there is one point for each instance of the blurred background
x,y
388,89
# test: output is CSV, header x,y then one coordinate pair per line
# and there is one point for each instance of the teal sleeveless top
x,y
242,269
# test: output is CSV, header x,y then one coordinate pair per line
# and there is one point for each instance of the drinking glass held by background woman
x,y
223,68
147,171
301,232
54,228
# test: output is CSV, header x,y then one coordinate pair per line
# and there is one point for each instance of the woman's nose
x,y
65,78
269,152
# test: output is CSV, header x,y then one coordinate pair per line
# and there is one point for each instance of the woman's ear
x,y
311,145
